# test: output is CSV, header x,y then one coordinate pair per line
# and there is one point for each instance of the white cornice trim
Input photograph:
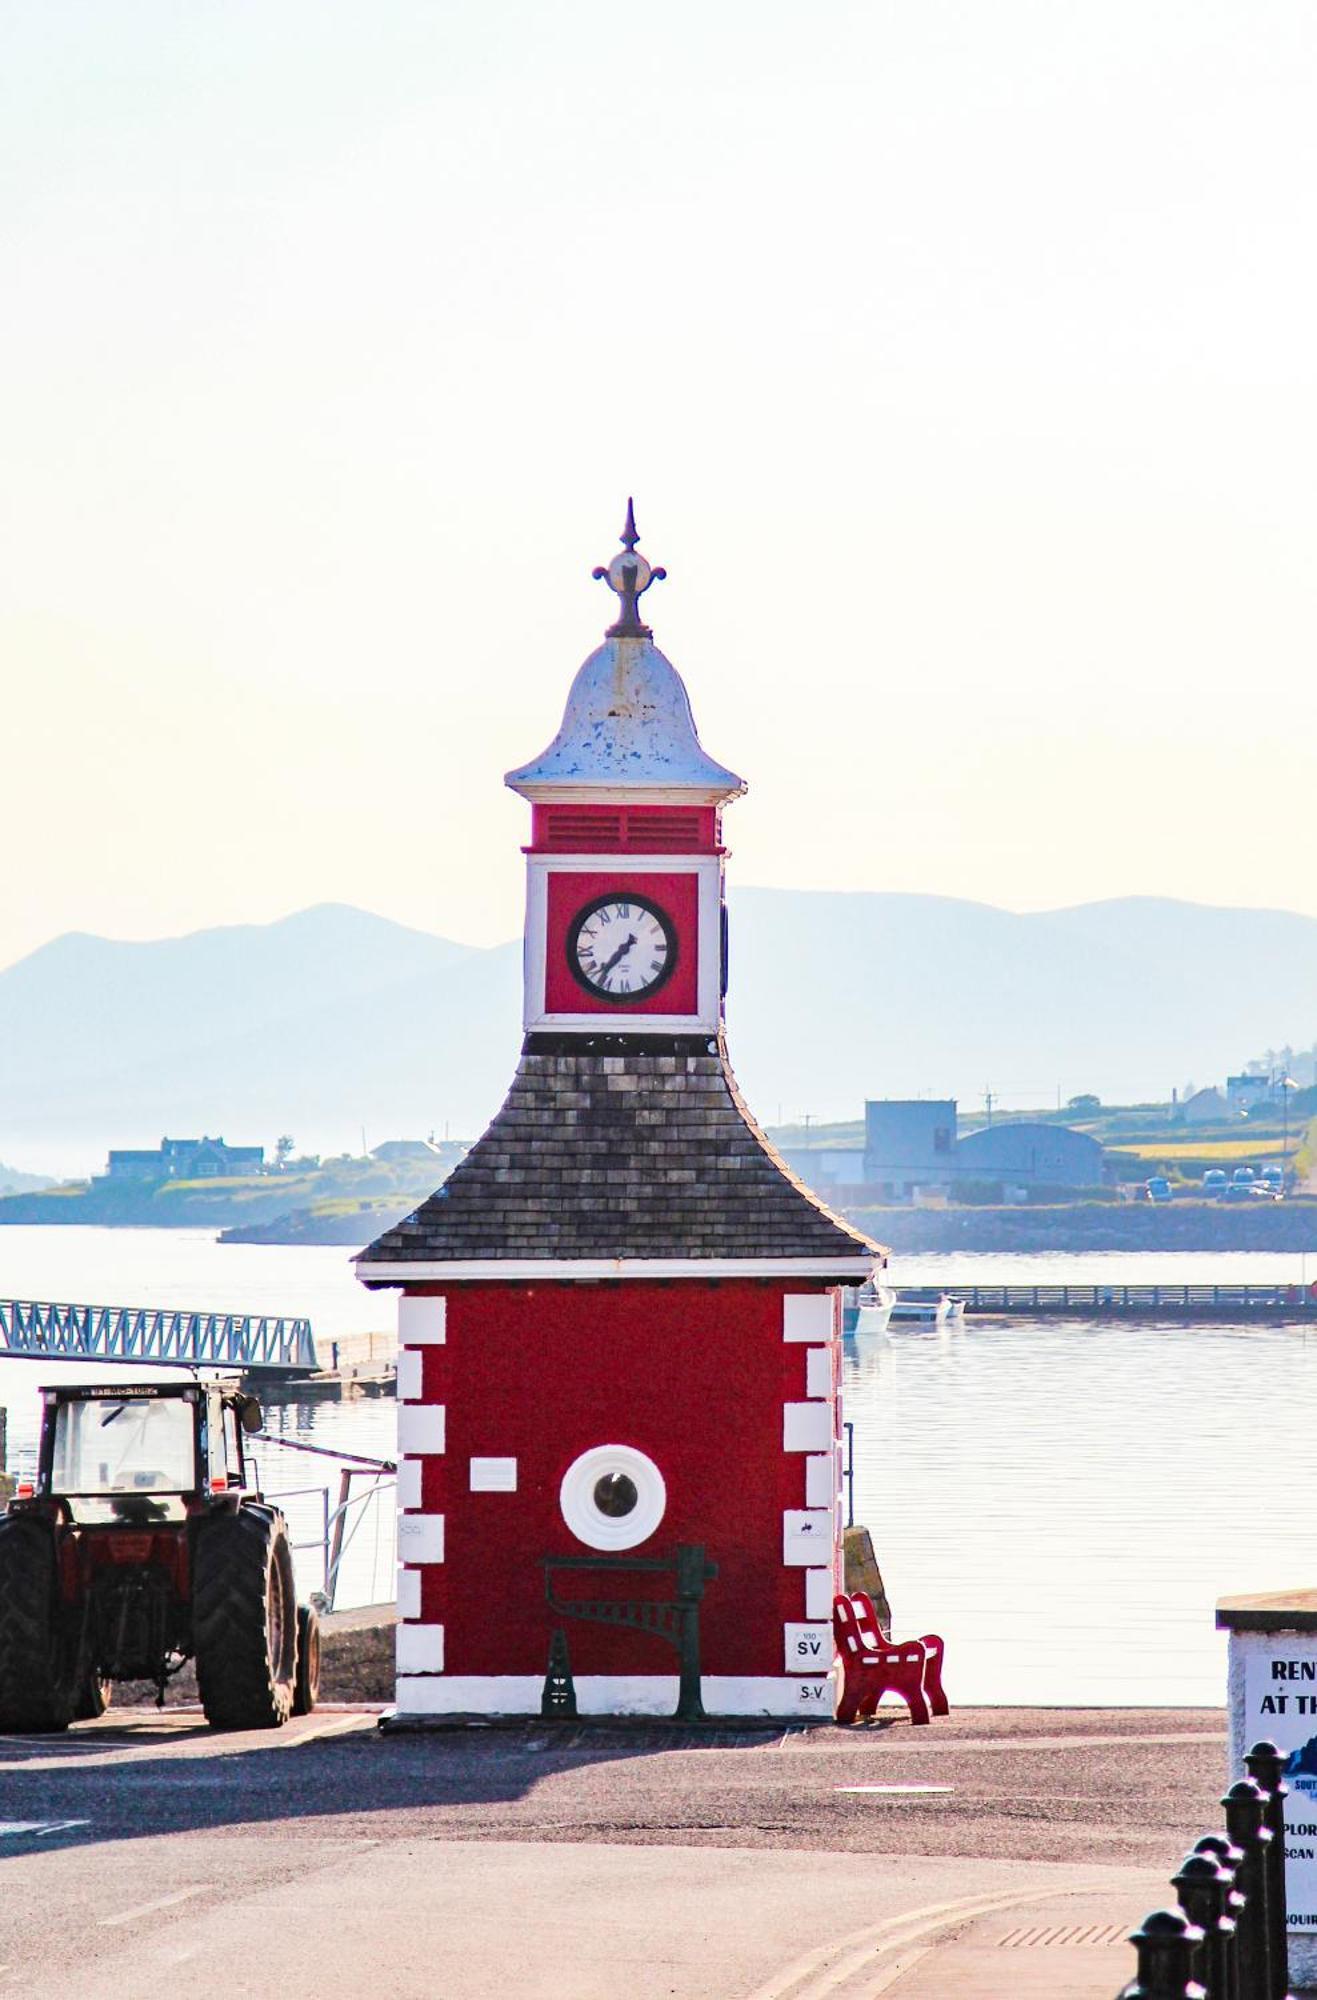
x,y
841,1270
545,792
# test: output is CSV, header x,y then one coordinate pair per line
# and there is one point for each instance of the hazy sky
x,y
961,359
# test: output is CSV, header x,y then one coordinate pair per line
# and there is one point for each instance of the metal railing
x,y
35,1328
342,1527
1188,1300
1227,1940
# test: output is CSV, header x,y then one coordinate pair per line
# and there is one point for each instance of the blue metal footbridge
x,y
32,1329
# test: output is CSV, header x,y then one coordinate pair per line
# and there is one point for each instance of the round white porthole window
x,y
612,1497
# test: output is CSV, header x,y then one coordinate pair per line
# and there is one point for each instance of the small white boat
x,y
874,1309
927,1309
866,1308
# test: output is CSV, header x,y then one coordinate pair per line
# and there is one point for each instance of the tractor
x,y
140,1545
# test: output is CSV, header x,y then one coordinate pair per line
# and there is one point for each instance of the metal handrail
x,y
156,1334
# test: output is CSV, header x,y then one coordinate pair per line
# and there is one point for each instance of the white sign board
x,y
1280,1702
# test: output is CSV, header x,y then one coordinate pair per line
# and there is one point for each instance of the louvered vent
x,y
588,832
608,829
663,833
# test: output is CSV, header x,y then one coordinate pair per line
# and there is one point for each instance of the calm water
x,y
188,1268
1063,1502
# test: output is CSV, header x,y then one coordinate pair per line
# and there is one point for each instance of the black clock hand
x,y
621,952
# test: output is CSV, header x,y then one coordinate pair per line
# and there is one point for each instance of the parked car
x,y
1238,1191
1268,1190
1157,1188
1274,1173
1214,1182
1243,1177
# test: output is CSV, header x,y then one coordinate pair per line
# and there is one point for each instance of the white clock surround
x,y
707,871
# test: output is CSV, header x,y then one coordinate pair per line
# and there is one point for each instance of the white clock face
x,y
622,948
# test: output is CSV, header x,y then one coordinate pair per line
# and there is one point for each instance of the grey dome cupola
x,y
627,727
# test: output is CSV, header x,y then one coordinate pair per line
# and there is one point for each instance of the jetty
x,y
258,1344
1175,1303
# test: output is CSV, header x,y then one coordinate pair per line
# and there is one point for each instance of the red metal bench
x,y
873,1666
934,1694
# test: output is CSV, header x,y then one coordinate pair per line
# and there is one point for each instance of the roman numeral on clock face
x,y
622,947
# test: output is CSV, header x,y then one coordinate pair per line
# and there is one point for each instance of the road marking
x,y
830,1966
160,1903
39,1826
894,1790
336,1728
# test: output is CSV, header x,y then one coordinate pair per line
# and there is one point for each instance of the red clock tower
x,y
618,1420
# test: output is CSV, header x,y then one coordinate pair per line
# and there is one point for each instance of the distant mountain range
x,y
334,1020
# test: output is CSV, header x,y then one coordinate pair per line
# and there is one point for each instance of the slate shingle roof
x,y
635,1155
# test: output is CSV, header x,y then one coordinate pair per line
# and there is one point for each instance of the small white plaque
x,y
421,1428
814,1697
421,1538
410,1372
807,1537
419,1649
808,1648
807,1316
819,1593
818,1372
422,1322
493,1475
807,1427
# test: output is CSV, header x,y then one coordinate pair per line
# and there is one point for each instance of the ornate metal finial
x,y
630,575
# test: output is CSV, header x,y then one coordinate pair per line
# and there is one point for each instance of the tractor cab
x,y
150,1452
144,1542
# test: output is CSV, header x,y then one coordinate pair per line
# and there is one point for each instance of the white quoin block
x,y
409,1593
411,1364
818,1372
805,1427
819,1593
807,1316
422,1322
409,1482
419,1649
819,1474
806,1537
421,1428
493,1475
421,1538
808,1648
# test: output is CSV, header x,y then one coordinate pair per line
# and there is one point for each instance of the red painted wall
x,y
692,1373
678,894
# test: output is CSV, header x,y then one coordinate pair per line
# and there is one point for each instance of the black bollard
x,y
1231,1858
1246,1815
1205,1888
1266,1766
1167,1944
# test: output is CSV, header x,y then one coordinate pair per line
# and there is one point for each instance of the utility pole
x,y
988,1101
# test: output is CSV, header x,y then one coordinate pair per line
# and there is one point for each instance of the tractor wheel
x,y
36,1683
244,1620
93,1698
308,1660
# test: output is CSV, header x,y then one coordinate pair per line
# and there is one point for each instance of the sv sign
x,y
808,1648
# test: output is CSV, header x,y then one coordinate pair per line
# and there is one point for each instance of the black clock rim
x,y
669,931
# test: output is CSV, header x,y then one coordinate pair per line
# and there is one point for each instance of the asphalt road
x,y
325,1859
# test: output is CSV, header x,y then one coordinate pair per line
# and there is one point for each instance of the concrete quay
x,y
1000,1852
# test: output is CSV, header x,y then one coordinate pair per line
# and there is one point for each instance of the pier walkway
x,y
35,1330
1174,1302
